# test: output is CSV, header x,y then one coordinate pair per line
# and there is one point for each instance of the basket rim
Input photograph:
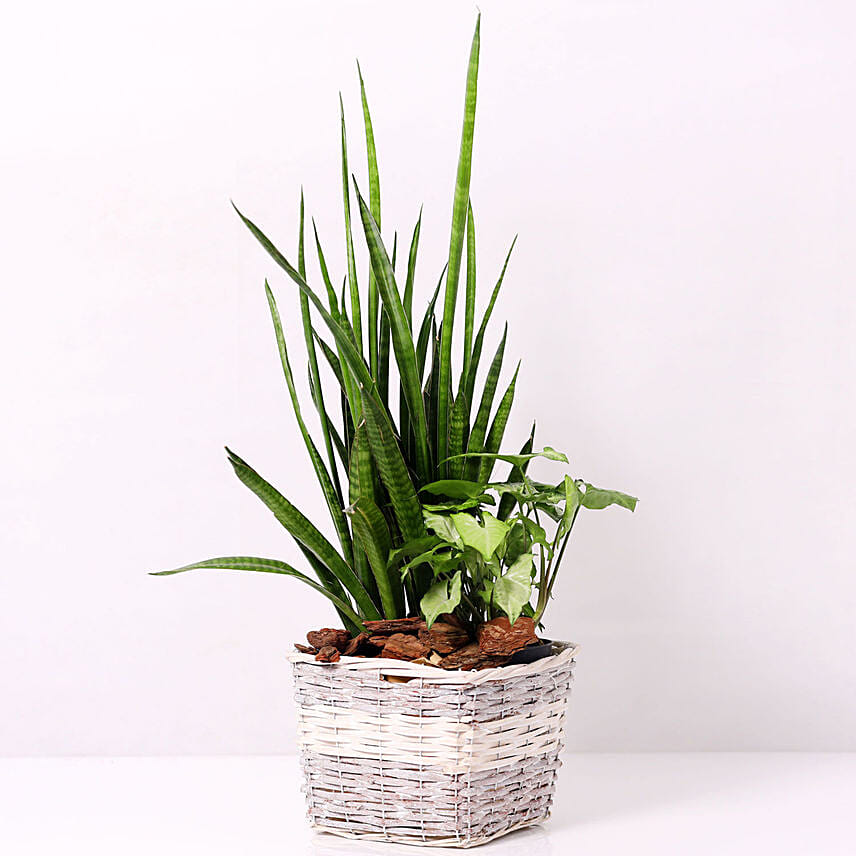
x,y
563,652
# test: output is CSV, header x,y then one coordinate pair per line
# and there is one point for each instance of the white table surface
x,y
691,804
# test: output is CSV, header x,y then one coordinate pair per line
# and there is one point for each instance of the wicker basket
x,y
395,751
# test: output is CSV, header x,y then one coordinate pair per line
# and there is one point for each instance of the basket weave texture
x,y
397,751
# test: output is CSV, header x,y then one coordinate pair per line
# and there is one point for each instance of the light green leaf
x,y
460,505
518,460
454,488
442,597
595,497
572,503
486,537
441,525
511,592
506,504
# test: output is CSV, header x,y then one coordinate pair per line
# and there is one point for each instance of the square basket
x,y
396,751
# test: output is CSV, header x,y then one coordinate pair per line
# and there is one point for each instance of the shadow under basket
x,y
395,751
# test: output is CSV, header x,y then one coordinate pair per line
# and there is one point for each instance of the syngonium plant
x,y
422,527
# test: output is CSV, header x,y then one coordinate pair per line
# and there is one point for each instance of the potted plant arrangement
x,y
434,714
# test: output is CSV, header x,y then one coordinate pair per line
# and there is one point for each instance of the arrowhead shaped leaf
x,y
442,597
484,537
511,592
596,497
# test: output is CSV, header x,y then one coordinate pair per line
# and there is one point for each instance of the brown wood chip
x,y
499,638
470,657
328,654
377,641
388,626
356,645
328,636
451,618
403,646
444,638
305,649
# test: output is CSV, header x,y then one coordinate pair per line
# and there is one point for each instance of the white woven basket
x,y
449,759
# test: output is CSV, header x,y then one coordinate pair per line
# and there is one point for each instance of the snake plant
x,y
420,524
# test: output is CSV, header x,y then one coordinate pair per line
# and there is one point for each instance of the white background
x,y
681,176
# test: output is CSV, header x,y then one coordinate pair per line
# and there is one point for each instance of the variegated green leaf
x,y
497,429
479,429
486,535
512,590
402,339
304,531
393,470
459,215
443,596
371,530
270,566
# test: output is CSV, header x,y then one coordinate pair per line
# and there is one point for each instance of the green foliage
x,y
416,535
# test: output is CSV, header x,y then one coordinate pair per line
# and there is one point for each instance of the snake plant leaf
x,y
404,425
407,300
512,590
470,303
431,395
356,313
341,330
341,451
479,429
374,202
595,497
506,503
441,598
459,432
332,360
402,340
302,529
373,535
454,488
456,240
485,537
361,483
324,574
332,496
392,469
268,566
344,374
325,274
383,342
315,385
497,429
425,328
361,472
469,379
